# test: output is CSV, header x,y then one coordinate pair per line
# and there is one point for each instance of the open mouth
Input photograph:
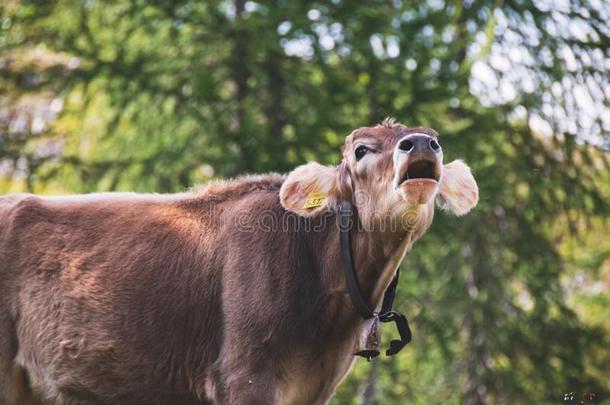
x,y
420,171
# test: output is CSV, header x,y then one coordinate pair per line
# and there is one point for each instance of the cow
x,y
230,294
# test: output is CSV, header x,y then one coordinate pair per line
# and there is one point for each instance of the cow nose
x,y
414,144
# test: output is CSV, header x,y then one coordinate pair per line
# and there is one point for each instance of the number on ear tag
x,y
314,199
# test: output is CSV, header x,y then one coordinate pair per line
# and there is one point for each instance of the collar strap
x,y
355,293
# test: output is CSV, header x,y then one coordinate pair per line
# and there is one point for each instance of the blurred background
x,y
509,304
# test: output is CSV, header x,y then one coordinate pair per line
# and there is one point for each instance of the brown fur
x,y
196,297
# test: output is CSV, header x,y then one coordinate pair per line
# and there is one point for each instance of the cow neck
x,y
386,314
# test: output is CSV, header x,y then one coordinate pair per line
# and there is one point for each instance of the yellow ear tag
x,y
314,199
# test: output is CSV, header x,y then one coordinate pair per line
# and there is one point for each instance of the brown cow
x,y
233,294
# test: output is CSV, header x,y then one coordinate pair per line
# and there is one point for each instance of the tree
x,y
158,96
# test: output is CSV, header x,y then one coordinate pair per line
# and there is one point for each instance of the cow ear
x,y
458,192
311,189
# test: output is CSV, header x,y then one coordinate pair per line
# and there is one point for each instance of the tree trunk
x,y
370,389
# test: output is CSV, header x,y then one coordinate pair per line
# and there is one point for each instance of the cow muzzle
x,y
418,159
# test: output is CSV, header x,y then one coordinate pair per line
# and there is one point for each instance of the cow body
x,y
220,295
134,299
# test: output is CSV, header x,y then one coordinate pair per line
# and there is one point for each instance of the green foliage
x,y
159,96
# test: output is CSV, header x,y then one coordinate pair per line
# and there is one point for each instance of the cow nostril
x,y
405,145
434,145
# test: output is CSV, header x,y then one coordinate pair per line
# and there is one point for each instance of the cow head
x,y
388,171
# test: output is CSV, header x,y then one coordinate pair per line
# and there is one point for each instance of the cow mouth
x,y
422,171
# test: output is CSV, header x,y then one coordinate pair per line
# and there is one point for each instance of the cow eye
x,y
361,151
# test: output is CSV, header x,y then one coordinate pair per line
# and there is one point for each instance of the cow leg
x,y
19,390
14,382
7,356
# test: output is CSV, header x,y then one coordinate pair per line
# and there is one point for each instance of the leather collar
x,y
358,301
